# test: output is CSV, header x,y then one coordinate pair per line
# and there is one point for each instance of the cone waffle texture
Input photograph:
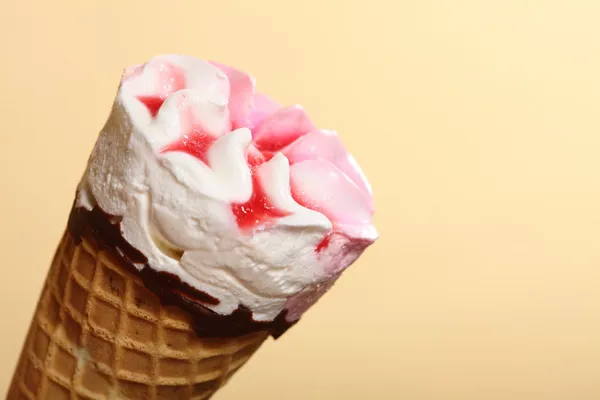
x,y
98,333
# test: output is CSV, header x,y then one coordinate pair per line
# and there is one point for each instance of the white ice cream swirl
x,y
239,197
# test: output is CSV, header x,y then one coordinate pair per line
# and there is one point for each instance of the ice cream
x,y
240,198
208,218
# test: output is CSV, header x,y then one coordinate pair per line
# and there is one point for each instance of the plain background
x,y
476,121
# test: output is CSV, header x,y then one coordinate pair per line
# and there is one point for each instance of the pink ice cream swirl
x,y
323,176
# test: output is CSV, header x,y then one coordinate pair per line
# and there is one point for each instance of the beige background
x,y
477,122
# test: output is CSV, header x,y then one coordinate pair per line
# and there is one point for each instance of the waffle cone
x,y
98,333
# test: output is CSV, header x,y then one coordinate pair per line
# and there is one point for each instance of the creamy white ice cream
x,y
237,196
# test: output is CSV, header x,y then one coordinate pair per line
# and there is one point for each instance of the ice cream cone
x,y
209,217
98,333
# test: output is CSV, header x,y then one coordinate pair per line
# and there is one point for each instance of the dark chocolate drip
x,y
105,229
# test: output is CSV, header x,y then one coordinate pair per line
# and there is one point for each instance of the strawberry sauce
x,y
152,103
196,143
170,79
258,210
